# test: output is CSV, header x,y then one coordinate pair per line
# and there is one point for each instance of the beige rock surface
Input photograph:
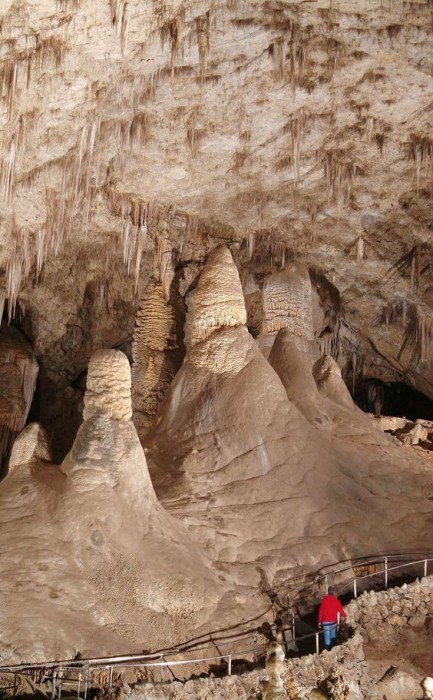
x,y
18,374
90,561
158,131
259,486
135,138
156,353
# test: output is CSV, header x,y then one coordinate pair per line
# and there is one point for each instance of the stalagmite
x,y
156,355
273,688
108,385
218,298
31,445
254,477
287,303
87,545
330,383
18,374
291,359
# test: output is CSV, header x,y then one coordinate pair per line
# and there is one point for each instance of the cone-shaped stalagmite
x,y
255,480
89,545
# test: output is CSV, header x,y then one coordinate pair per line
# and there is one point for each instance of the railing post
x,y
425,567
355,593
229,665
326,582
293,626
79,685
53,685
317,643
110,680
386,572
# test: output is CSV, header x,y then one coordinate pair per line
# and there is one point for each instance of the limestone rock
x,y
227,441
399,684
18,374
287,303
427,687
31,445
87,547
218,299
108,386
156,355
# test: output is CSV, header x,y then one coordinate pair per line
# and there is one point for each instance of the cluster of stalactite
x,y
420,150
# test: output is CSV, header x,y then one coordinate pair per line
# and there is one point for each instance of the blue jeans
x,y
329,633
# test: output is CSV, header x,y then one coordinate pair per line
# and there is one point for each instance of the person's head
x,y
331,590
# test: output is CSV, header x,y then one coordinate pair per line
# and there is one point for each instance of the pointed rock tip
x,y
325,366
108,385
218,298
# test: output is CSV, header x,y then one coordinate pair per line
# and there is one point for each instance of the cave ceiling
x,y
134,132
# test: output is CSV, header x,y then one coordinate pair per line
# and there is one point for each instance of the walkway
x,y
367,572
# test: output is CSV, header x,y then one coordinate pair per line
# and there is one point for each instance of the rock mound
x,y
90,560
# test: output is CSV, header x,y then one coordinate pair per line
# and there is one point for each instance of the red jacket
x,y
329,609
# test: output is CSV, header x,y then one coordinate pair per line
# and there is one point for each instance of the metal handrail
x,y
88,667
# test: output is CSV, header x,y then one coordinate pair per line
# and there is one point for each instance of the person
x,y
329,612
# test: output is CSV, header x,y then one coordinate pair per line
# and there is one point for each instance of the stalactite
x,y
202,24
250,244
7,176
18,374
424,337
340,171
297,124
171,31
420,150
14,274
165,263
279,48
73,201
2,303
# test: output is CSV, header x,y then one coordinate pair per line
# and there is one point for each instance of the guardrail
x,y
84,673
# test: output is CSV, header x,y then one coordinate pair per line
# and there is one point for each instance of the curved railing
x,y
105,670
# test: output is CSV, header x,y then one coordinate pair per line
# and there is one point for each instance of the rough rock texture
x,y
32,445
218,298
90,560
392,609
256,482
108,386
137,137
350,669
18,374
156,353
299,677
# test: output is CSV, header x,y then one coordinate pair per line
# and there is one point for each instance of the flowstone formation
x,y
156,354
18,374
287,303
246,464
90,560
